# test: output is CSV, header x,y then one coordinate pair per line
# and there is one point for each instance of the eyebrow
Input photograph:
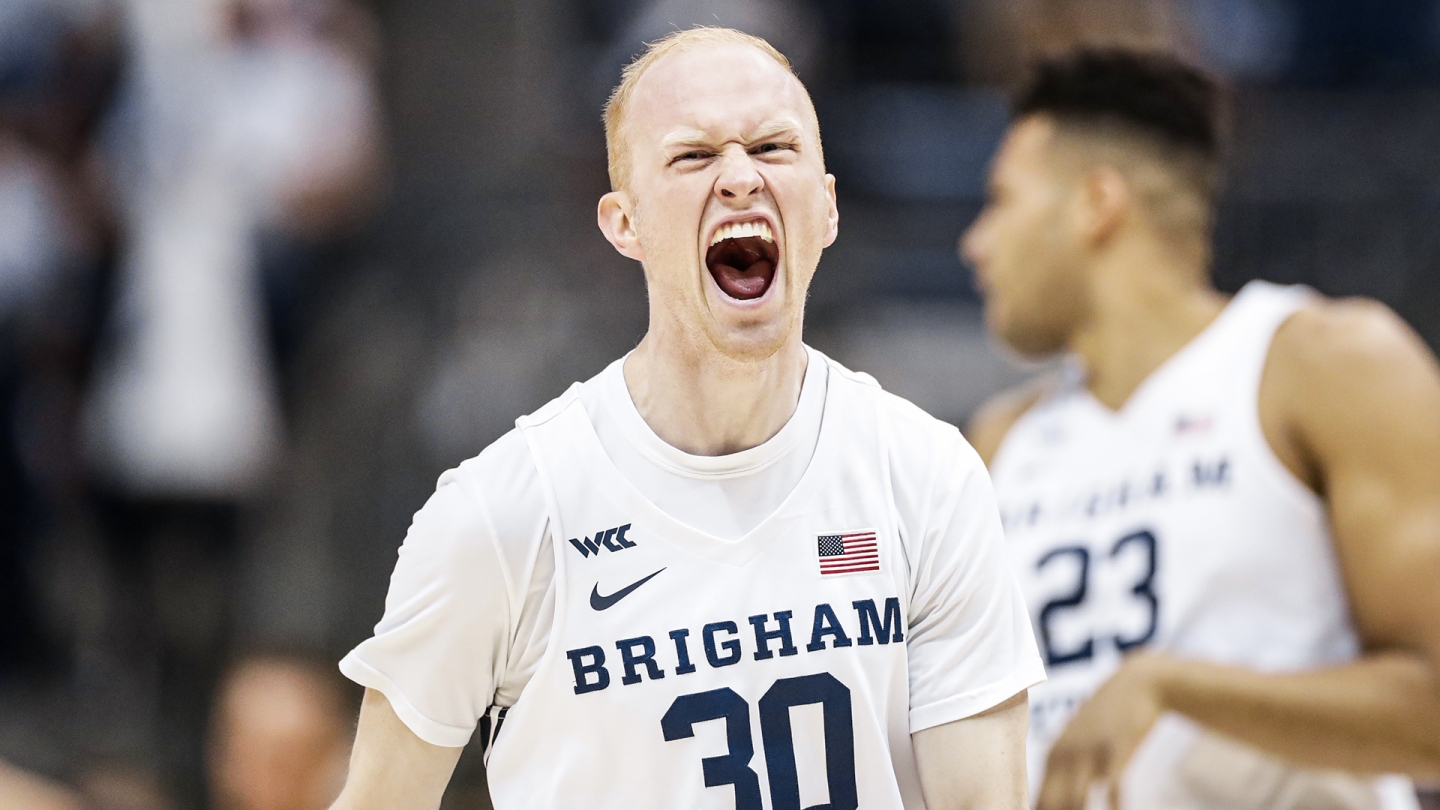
x,y
685,137
695,137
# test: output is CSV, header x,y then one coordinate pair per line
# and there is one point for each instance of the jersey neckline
x,y
809,409
1214,331
748,546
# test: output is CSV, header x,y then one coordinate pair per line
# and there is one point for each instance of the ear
x,y
1106,199
832,216
616,217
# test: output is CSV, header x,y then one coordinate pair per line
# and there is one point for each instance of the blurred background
x,y
268,267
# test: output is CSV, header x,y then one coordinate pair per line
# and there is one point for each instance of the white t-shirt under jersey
x,y
472,599
725,496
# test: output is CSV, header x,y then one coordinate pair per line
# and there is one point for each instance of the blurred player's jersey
x,y
1170,524
666,667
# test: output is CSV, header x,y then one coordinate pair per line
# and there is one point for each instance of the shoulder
x,y
498,495
1338,371
990,424
920,447
1349,335
505,463
906,422
1335,352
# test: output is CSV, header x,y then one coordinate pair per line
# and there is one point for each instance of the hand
x,y
1099,740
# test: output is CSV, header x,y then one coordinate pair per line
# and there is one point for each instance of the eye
x,y
773,146
692,155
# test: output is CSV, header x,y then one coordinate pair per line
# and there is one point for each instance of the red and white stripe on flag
x,y
847,553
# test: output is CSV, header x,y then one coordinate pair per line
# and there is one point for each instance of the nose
x,y
972,245
738,178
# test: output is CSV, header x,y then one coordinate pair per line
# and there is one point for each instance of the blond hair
x,y
674,42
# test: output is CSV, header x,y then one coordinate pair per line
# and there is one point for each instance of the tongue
x,y
744,284
742,268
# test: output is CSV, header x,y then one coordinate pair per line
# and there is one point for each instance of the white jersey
x,y
664,667
1171,524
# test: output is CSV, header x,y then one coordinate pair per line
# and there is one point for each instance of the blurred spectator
x,y
34,239
36,231
996,37
242,115
57,62
241,122
280,735
23,791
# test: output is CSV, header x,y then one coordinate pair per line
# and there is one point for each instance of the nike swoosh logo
x,y
599,602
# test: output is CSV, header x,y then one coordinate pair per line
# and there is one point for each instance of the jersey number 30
x,y
734,768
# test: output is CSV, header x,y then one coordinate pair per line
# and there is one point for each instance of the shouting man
x,y
726,572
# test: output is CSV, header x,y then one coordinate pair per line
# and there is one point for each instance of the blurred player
x,y
725,572
278,735
1226,513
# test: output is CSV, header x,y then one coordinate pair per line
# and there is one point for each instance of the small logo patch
x,y
598,602
1193,425
841,553
612,539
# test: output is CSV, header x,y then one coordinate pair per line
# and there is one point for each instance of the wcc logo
x,y
612,539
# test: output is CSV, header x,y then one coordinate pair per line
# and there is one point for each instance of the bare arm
x,y
390,767
1376,715
1350,402
977,763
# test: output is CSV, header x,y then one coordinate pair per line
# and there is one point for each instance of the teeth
x,y
741,230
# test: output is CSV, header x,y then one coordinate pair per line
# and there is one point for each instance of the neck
x,y
707,404
1144,307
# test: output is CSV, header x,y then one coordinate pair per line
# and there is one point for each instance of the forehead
x,y
720,90
1025,148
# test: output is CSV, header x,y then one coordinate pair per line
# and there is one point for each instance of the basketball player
x,y
725,572
1225,513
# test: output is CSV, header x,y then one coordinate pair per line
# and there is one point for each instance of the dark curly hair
x,y
1149,95
1152,92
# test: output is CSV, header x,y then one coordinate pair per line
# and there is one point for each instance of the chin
x,y
755,329
1030,342
754,342
751,333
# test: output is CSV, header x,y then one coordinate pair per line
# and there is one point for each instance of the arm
x,y
390,767
971,649
977,763
1376,715
1350,402
439,653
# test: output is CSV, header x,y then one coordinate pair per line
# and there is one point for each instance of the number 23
x,y
1144,590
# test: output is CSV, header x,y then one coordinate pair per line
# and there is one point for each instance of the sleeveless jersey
x,y
1171,524
766,672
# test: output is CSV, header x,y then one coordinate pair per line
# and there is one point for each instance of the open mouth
x,y
742,259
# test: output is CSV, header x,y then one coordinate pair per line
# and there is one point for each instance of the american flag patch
x,y
848,553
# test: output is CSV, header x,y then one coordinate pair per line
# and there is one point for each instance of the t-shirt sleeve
x,y
971,645
441,648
